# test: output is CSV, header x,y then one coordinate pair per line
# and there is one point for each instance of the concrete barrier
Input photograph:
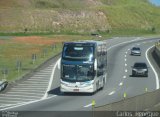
x,y
156,55
138,103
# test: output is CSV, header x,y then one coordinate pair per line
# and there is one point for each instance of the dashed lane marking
x,y
88,105
124,77
111,93
120,84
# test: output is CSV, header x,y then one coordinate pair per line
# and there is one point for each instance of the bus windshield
x,y
78,73
73,51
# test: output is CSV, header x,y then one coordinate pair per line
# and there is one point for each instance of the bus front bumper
x,y
85,89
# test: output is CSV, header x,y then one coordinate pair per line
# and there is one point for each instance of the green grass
x,y
12,51
43,17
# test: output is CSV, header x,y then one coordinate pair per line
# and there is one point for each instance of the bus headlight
x,y
89,83
64,83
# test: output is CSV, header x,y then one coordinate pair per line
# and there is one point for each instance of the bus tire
x,y
103,83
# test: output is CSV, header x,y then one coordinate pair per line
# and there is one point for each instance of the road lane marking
x,y
120,84
125,59
126,70
26,103
156,75
23,93
88,105
36,81
137,39
19,86
125,64
28,88
129,49
111,93
124,77
13,95
51,79
125,55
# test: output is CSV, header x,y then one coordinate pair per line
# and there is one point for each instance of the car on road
x,y
3,85
140,69
136,51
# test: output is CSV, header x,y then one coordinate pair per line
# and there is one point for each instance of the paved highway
x,y
119,80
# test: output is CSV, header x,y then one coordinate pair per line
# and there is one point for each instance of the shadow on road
x,y
137,76
57,91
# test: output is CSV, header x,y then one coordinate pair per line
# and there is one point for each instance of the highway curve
x,y
119,80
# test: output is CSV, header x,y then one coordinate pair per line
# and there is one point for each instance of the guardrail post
x,y
34,57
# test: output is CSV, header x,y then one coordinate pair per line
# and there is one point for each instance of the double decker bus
x,y
83,66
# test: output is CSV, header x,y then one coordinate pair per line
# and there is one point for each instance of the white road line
x,y
126,70
120,84
42,80
88,105
24,93
138,44
17,98
46,71
125,64
51,79
129,49
22,104
12,101
12,96
156,75
126,52
111,93
32,83
22,84
28,88
124,77
125,55
5,105
39,75
43,73
125,59
35,81
124,43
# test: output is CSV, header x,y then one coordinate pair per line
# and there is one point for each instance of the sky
x,y
156,2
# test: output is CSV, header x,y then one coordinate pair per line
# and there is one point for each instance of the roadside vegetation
x,y
121,17
22,54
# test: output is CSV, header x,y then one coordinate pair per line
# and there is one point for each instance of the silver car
x,y
140,69
136,51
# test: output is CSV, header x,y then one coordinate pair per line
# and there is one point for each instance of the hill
x,y
79,16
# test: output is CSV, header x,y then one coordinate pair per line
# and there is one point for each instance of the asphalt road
x,y
119,81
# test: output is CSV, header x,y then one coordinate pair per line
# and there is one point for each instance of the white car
x,y
136,51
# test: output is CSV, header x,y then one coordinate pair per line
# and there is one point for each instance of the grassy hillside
x,y
79,16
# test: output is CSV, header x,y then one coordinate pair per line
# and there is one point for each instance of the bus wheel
x,y
103,83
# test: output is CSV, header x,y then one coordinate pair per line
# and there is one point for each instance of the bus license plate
x,y
76,90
